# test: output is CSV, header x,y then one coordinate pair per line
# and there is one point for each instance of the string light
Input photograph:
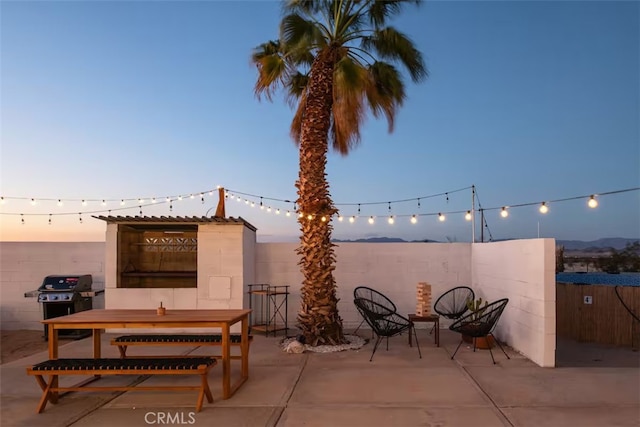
x,y
309,217
22,219
80,217
49,219
592,202
544,208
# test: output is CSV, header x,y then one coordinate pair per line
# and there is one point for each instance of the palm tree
x,y
334,59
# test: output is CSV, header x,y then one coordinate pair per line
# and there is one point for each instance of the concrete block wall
x,y
524,272
393,268
23,266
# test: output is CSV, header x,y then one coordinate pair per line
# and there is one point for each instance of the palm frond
x,y
296,85
298,33
385,91
380,11
296,123
272,69
350,81
393,45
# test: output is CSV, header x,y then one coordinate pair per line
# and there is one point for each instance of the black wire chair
x,y
453,303
481,324
383,324
384,306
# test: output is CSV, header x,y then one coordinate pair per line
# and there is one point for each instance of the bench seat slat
x,y
184,363
176,338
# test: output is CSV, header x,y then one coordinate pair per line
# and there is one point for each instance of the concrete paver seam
x,y
287,398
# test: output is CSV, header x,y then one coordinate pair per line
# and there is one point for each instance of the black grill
x,y
61,295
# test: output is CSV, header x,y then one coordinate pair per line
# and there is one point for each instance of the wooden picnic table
x,y
97,320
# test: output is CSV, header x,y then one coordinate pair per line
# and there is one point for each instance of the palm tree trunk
x,y
318,317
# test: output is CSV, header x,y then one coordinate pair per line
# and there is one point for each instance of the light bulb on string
x,y
391,220
340,218
414,219
33,202
122,202
253,205
246,202
84,203
269,209
22,219
140,201
352,219
288,213
60,202
504,212
192,196
441,217
592,203
261,205
467,216
80,217
202,198
371,220
300,215
309,217
168,199
104,202
2,201
544,208
323,219
180,197
154,200
277,211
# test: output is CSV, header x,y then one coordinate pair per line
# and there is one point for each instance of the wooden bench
x,y
131,366
124,341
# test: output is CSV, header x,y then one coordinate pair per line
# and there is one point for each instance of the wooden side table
x,y
433,318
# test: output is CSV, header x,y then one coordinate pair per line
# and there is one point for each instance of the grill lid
x,y
66,283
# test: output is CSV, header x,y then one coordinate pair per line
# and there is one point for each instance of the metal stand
x,y
270,312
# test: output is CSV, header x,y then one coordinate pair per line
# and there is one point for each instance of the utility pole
x,y
473,214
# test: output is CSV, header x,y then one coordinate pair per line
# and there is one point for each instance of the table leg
x,y
53,354
96,343
244,347
226,362
53,342
437,332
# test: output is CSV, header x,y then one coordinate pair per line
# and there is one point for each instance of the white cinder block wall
x,y
23,266
524,272
393,268
521,270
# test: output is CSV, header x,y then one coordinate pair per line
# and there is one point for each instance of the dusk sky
x,y
528,101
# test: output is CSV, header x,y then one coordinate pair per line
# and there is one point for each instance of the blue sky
x,y
528,101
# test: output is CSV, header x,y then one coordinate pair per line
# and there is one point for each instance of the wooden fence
x,y
593,313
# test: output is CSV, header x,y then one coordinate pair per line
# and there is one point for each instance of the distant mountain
x,y
609,242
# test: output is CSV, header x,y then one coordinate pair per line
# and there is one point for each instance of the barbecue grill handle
x,y
31,294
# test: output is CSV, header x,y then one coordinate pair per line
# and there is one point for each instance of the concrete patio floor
x,y
594,386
